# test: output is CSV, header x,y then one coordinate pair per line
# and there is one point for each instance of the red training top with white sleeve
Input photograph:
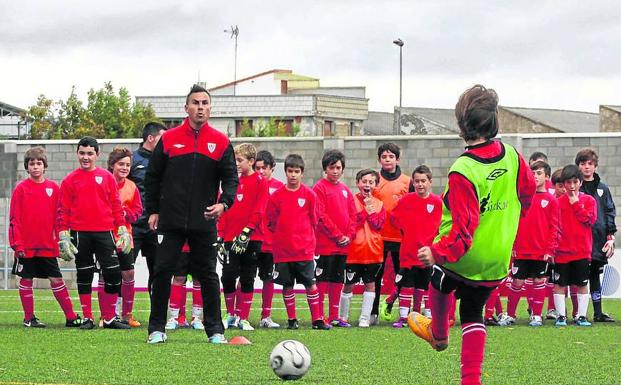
x,y
248,210
89,201
32,216
464,204
273,185
538,232
576,221
337,217
292,218
418,219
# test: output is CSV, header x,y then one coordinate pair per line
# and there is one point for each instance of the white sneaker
x,y
268,323
172,324
245,325
506,320
363,323
230,321
374,320
197,324
427,313
535,321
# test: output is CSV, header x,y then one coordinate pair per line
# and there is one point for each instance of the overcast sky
x,y
548,54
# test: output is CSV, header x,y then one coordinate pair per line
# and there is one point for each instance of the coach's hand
x,y
214,211
221,252
153,221
240,242
67,249
425,256
609,248
124,241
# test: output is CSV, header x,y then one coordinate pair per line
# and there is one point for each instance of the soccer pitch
x,y
378,355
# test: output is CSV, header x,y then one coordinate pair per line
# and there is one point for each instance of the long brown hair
x,y
477,113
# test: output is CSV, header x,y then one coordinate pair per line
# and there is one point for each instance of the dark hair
x,y
536,156
556,176
570,171
368,171
266,157
422,169
390,147
195,89
117,154
477,113
587,154
152,128
330,157
540,164
35,153
88,141
294,161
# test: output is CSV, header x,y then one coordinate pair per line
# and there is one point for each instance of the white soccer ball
x,y
290,359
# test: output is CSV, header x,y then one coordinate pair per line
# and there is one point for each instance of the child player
x,y
240,229
367,247
178,296
31,236
88,213
119,164
578,215
264,165
393,186
604,229
534,247
335,230
417,216
489,186
292,218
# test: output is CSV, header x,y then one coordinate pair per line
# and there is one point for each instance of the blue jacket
x,y
140,162
606,212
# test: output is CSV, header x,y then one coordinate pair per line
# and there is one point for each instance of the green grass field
x,y
379,355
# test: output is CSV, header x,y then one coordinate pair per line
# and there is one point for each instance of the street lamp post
x,y
234,31
399,43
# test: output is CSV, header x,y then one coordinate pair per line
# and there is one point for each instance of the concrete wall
x,y
514,123
438,152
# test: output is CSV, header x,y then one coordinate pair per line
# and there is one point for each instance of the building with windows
x,y
12,126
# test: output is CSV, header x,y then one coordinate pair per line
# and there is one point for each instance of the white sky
x,y
548,54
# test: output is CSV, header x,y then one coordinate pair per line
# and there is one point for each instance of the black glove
x,y
240,242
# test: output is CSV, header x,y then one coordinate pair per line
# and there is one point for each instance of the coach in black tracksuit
x,y
188,166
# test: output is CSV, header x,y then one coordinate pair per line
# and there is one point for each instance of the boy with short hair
x,y
335,229
552,314
367,247
292,217
417,216
31,236
88,213
393,186
240,230
578,214
604,229
264,165
534,247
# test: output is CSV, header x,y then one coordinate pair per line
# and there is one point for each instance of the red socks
x,y
419,294
472,350
441,305
26,296
334,298
289,298
515,293
244,303
539,295
229,301
267,296
550,295
490,305
323,288
62,296
107,304
127,292
177,299
86,303
405,301
312,296
197,297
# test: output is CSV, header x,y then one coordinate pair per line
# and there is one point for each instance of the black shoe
x,y
87,324
603,317
73,323
320,325
115,324
389,307
293,324
491,321
34,322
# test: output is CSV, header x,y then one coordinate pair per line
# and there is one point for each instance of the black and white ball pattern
x,y
290,359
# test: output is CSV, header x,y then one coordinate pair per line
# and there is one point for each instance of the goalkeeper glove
x,y
221,252
240,242
67,248
124,241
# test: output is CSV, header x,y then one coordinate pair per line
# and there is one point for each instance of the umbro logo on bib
x,y
430,208
211,147
98,179
49,192
301,202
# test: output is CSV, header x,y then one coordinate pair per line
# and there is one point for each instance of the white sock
x,y
344,304
197,312
119,306
559,303
367,304
583,304
174,313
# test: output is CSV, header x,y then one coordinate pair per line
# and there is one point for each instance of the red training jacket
x,y
538,232
249,208
273,185
337,217
576,222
